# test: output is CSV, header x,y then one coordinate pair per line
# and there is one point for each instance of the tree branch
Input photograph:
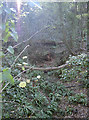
x,y
30,37
36,68
19,55
48,68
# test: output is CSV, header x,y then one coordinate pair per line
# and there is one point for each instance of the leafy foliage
x,y
10,49
6,76
78,98
41,98
78,70
31,94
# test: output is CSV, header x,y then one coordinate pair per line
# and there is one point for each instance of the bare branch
x,y
19,55
36,68
48,68
20,73
4,87
30,37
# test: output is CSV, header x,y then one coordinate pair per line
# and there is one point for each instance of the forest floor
x,y
61,93
80,111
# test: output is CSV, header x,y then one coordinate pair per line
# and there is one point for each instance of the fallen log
x,y
46,69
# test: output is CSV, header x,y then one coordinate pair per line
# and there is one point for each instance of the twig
x,y
19,55
30,37
73,86
4,87
20,73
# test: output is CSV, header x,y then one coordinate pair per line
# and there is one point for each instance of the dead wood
x,y
46,69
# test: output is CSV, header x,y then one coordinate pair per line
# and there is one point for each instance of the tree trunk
x,y
63,28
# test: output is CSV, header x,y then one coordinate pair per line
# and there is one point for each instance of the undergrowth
x,y
41,98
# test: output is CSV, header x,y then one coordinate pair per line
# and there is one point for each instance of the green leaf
x,y
1,54
7,23
11,79
49,112
6,37
12,25
31,108
10,49
7,69
7,29
6,76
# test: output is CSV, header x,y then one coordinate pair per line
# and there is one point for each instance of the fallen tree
x,y
48,68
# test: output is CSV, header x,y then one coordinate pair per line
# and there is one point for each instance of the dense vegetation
x,y
42,97
31,91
